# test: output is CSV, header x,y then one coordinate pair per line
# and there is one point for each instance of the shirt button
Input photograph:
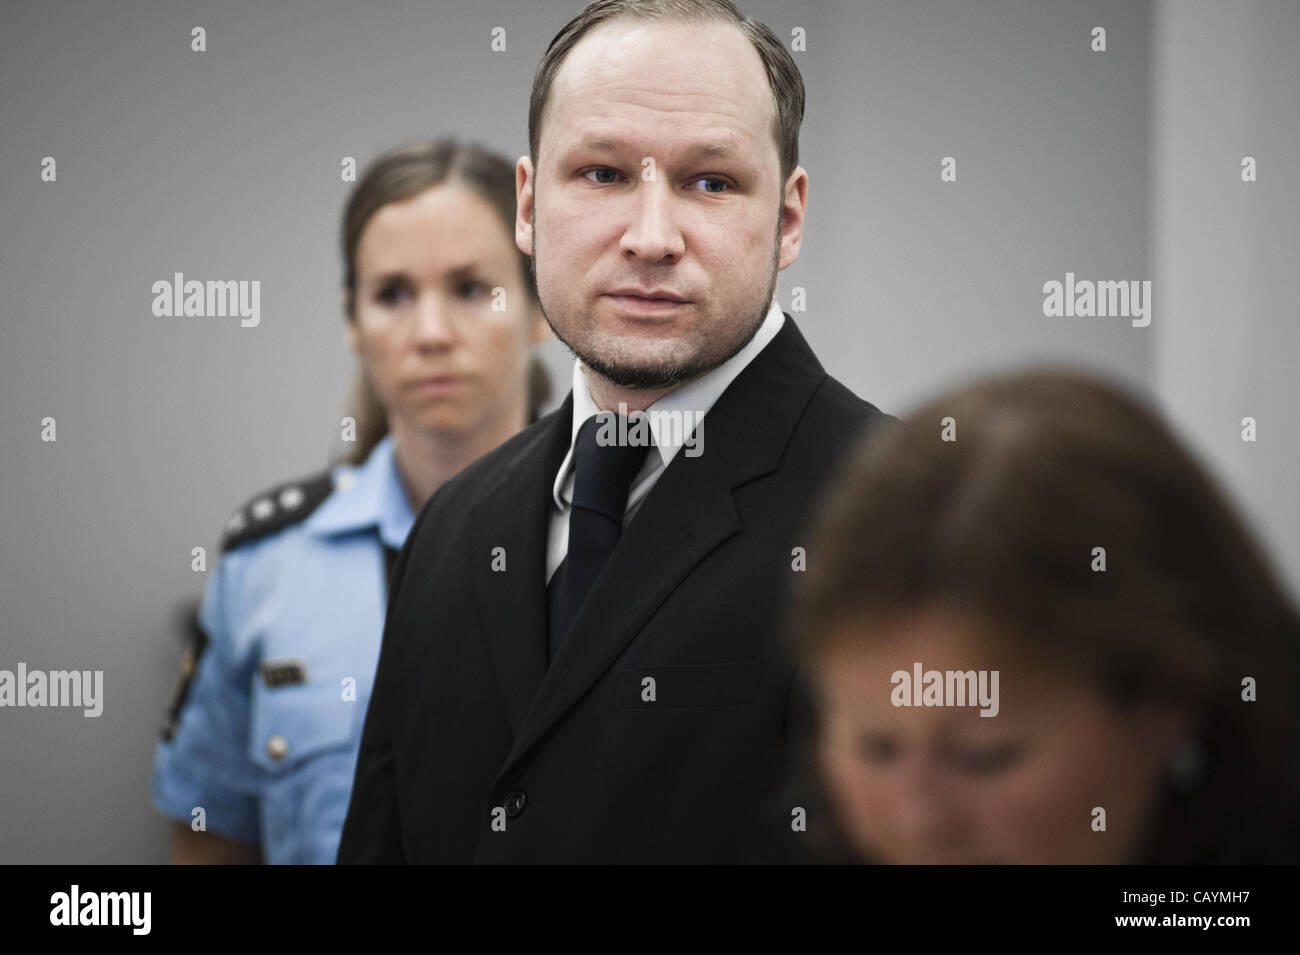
x,y
515,804
277,747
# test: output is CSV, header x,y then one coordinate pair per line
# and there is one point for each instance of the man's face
x,y
658,172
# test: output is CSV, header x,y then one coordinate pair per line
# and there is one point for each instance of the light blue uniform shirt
x,y
270,759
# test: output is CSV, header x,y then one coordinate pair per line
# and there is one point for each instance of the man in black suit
x,y
582,659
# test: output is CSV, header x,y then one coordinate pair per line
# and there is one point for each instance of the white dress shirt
x,y
694,398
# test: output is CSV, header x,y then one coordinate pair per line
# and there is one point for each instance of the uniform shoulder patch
x,y
276,509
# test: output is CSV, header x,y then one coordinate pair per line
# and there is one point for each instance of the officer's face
x,y
441,357
942,784
658,170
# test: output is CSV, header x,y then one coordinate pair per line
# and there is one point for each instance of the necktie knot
x,y
606,462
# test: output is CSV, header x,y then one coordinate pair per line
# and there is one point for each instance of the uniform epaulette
x,y
276,509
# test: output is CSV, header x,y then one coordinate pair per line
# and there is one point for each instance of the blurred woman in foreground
x,y
1047,527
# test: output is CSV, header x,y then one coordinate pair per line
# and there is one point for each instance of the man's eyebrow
x,y
599,145
715,149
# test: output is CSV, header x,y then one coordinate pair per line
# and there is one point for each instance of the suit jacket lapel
x,y
514,513
689,512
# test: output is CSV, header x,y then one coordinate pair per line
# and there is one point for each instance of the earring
x,y
1186,764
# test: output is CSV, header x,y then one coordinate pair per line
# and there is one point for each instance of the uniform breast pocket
x,y
292,723
703,684
305,739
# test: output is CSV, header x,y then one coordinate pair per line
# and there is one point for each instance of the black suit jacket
x,y
474,750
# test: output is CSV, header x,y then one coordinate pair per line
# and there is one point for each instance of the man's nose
x,y
653,234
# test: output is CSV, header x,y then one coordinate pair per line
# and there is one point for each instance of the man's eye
x,y
986,760
471,289
722,183
601,171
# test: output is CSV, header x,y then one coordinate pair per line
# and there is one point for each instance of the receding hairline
x,y
670,18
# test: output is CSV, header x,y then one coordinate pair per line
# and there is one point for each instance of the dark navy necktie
x,y
604,474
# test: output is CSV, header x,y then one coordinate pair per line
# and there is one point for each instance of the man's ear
x,y
794,206
524,205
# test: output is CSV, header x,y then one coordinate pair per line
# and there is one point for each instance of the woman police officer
x,y
260,743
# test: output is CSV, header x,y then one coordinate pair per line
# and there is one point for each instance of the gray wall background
x,y
225,165
1226,253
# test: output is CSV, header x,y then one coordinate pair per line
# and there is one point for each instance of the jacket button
x,y
277,747
515,804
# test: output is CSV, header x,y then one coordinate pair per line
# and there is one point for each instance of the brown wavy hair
x,y
1046,465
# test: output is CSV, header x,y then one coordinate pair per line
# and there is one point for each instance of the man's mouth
x,y
647,302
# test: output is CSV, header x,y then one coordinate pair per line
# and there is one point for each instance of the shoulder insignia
x,y
276,509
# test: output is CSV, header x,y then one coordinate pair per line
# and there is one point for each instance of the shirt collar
x,y
365,496
694,398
